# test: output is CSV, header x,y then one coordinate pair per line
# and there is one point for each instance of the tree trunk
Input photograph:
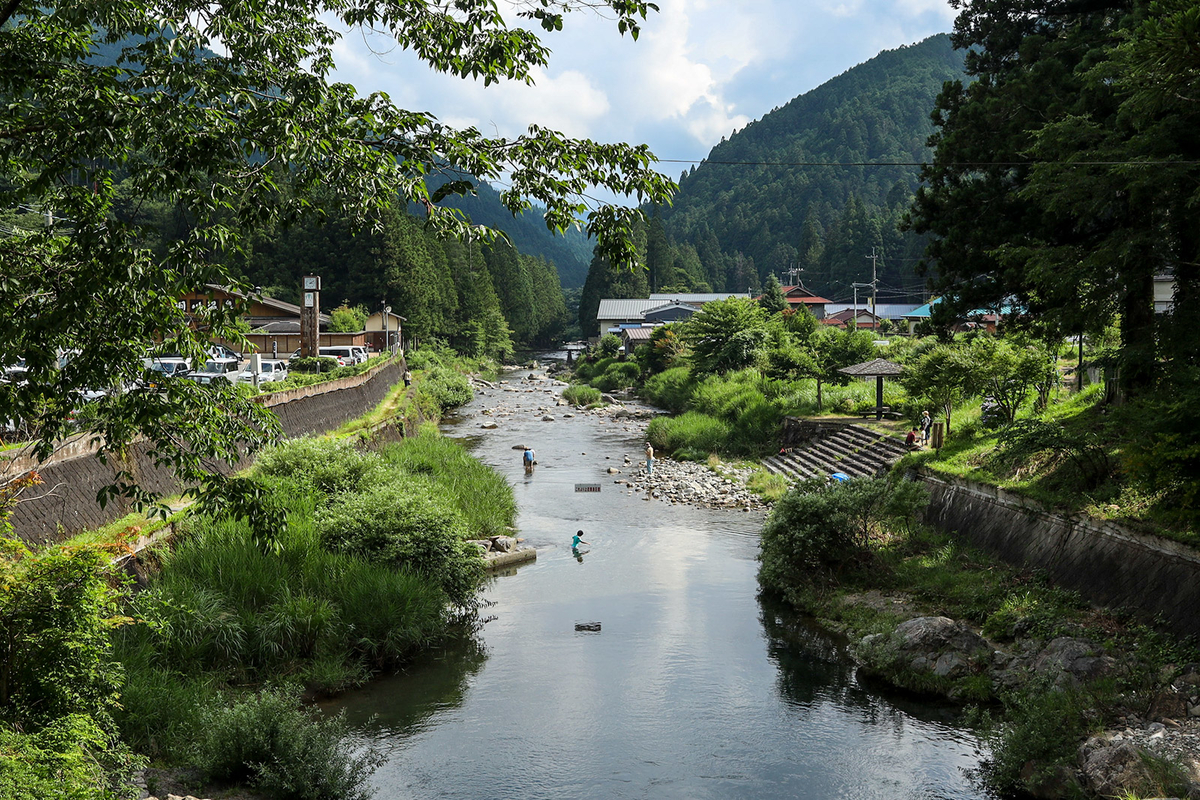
x,y
1138,363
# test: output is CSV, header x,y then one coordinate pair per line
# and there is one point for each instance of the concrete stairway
x,y
854,450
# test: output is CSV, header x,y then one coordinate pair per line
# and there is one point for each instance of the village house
x,y
274,324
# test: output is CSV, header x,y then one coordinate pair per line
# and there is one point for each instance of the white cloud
x,y
700,69
567,102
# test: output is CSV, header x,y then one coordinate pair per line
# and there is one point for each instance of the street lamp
x,y
387,343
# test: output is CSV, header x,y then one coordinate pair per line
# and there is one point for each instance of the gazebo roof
x,y
873,369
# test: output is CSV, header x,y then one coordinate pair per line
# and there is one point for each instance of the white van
x,y
344,353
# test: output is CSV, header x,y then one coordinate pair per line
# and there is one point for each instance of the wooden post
x,y
878,397
310,316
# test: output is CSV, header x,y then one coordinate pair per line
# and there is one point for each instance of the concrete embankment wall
x,y
1106,563
65,502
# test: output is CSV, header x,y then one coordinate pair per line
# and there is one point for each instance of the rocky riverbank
x,y
684,483
687,483
1155,747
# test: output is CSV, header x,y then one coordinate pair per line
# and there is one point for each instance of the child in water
x,y
578,540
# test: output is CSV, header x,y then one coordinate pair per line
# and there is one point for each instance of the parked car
x,y
165,368
216,371
340,353
220,351
343,353
360,353
270,370
15,373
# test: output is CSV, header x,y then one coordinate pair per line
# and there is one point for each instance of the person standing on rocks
x,y
649,459
926,426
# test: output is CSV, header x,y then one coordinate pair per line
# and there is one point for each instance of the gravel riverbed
x,y
676,482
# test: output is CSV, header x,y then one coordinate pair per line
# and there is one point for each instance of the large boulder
x,y
1115,770
1074,661
924,646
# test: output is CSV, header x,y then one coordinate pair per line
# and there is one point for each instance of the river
x,y
692,688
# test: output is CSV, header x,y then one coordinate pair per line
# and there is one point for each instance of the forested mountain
x,y
569,252
481,298
767,211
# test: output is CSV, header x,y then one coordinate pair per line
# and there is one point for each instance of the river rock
x,y
937,645
547,418
1074,661
588,626
614,471
1115,770
489,426
503,544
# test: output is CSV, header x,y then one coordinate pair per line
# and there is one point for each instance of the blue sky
x,y
700,70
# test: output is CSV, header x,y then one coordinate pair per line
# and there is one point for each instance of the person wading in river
x,y
529,458
649,459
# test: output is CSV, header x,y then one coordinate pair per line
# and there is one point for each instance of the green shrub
x,y
617,375
756,429
446,387
581,395
696,433
329,466
265,741
610,345
57,613
817,529
1043,726
313,364
671,389
586,370
72,757
407,523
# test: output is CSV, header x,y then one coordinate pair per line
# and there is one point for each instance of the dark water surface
x,y
692,689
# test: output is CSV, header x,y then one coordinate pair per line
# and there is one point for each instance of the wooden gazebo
x,y
878,369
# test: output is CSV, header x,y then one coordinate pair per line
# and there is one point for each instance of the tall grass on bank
x,y
689,437
370,569
479,492
581,395
608,374
225,611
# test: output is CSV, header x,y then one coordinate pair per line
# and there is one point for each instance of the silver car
x,y
270,370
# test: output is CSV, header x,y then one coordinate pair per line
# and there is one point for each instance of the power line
x,y
960,164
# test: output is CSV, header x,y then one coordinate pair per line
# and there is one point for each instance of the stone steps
x,y
855,450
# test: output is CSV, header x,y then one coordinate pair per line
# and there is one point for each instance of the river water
x,y
692,688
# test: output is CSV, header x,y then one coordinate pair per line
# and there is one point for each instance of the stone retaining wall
x,y
801,430
1105,562
65,503
315,409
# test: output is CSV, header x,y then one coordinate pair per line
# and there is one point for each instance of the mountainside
x,y
772,210
570,253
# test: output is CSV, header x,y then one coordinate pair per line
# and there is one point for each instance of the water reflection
x,y
687,687
396,706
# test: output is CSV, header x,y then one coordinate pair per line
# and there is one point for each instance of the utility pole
x,y
874,279
856,287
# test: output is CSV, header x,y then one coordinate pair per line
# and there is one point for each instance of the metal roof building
x,y
695,299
